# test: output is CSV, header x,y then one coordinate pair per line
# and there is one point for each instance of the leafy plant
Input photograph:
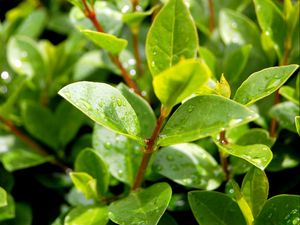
x,y
205,125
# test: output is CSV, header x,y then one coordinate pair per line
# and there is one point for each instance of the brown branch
x,y
137,56
91,15
31,143
151,147
211,15
223,158
134,3
273,125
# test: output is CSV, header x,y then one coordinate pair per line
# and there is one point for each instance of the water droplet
x,y
190,108
107,145
3,89
153,64
125,8
18,63
296,221
235,122
119,102
5,75
267,33
158,168
85,104
270,215
187,181
170,158
132,72
231,190
120,172
131,61
234,25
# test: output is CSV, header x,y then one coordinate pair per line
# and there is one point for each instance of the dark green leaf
x,y
290,94
107,41
142,109
189,165
258,155
87,215
211,207
121,154
180,81
263,83
255,189
172,36
105,105
8,211
142,207
90,162
271,20
217,113
281,209
297,122
285,114
23,215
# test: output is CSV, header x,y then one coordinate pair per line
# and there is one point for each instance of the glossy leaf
x,y
8,211
20,159
290,94
103,104
223,88
256,136
134,19
23,215
217,113
263,83
24,57
121,154
180,81
142,207
281,209
172,36
107,41
285,114
188,165
87,215
90,162
84,183
257,154
271,20
142,109
255,189
3,197
211,207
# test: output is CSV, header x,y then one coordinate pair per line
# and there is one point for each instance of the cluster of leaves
x,y
197,110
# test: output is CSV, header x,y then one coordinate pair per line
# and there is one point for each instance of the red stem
x,y
211,15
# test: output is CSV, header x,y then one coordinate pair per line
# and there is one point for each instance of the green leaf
x,y
271,21
121,154
258,155
87,215
8,211
180,81
232,70
90,162
142,207
107,41
263,83
24,57
106,12
211,207
256,136
134,19
142,109
290,94
105,105
23,215
33,24
85,183
20,159
223,88
255,189
209,58
281,209
189,165
45,129
285,114
172,36
297,122
217,113
3,197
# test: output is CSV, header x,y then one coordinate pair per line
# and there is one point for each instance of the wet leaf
x,y
142,207
179,39
203,116
211,207
263,83
85,184
188,165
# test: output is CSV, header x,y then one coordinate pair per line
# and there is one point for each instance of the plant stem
x,y
273,125
134,4
31,143
137,56
151,147
91,15
223,157
211,15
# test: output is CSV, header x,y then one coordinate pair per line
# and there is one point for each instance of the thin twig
x,y
223,158
211,15
31,143
137,55
91,15
151,147
134,4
